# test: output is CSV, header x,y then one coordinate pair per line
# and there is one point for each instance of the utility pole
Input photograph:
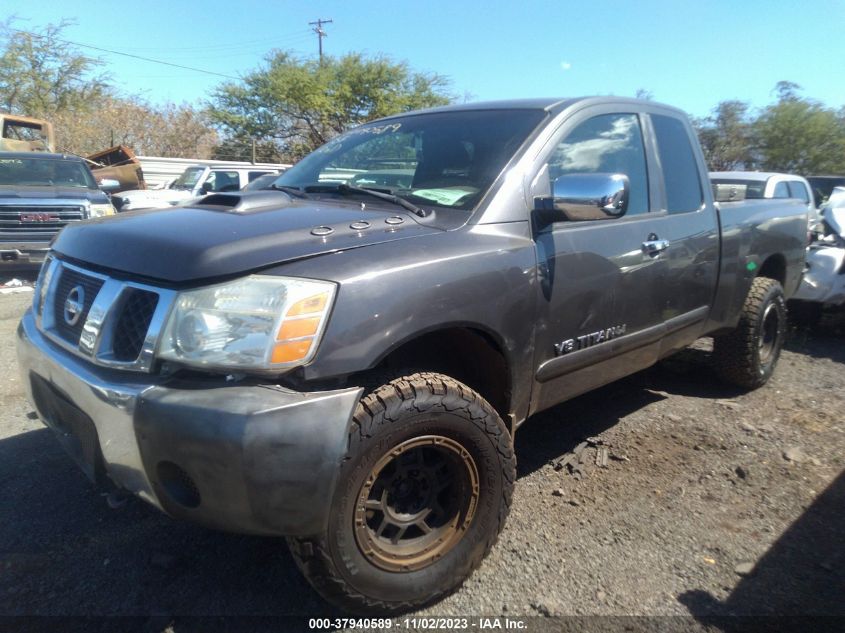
x,y
318,29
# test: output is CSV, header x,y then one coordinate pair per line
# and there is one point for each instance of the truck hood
x,y
229,234
9,193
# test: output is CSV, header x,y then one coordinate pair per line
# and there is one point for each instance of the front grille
x,y
133,323
115,316
36,222
68,327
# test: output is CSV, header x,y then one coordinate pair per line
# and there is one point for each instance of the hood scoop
x,y
244,202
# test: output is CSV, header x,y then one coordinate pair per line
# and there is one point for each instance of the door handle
x,y
655,247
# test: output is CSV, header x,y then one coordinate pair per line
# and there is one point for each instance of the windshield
x,y
754,188
45,172
262,182
447,159
188,179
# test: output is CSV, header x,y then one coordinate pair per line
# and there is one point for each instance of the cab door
x,y
600,280
685,221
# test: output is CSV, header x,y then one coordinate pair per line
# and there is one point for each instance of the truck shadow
x,y
825,341
65,553
802,574
552,433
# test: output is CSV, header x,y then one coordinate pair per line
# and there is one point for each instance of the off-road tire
x,y
418,405
747,355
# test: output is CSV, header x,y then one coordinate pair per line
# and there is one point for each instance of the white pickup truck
x,y
195,181
770,185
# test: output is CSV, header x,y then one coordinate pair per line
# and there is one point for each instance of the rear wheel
x,y
747,356
422,496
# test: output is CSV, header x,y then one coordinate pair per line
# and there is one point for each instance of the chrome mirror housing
x,y
591,196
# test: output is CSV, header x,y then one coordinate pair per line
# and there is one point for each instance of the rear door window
x,y
798,190
781,190
680,168
223,181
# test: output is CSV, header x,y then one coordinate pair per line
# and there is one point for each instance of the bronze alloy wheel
x,y
417,503
421,497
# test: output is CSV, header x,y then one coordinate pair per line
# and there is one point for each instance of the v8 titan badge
x,y
588,340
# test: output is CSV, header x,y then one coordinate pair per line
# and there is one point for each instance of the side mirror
x,y
206,187
109,184
578,197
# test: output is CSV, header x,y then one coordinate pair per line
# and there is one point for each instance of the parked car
x,y
771,185
39,194
195,182
347,367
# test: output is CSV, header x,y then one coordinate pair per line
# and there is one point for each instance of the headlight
x,y
99,210
259,322
42,284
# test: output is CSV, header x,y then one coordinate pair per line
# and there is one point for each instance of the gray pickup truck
x,y
40,193
346,364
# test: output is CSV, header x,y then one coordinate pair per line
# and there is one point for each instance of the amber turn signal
x,y
310,305
297,328
291,351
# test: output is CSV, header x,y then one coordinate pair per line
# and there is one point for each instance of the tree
x,y
800,135
726,137
41,75
295,105
177,131
241,148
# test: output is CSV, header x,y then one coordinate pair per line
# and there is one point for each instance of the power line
x,y
318,29
145,59
233,45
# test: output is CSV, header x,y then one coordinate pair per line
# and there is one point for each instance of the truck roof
x,y
760,176
549,104
45,155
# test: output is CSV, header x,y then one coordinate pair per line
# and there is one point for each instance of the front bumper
x,y
246,458
22,255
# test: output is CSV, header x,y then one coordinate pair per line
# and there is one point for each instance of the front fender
x,y
479,276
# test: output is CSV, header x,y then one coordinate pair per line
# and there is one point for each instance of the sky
x,y
688,54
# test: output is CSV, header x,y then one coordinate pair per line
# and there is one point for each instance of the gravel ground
x,y
713,501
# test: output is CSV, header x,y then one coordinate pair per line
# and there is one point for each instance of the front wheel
x,y
422,496
747,356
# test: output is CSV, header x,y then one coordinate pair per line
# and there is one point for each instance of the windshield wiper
x,y
387,197
297,193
